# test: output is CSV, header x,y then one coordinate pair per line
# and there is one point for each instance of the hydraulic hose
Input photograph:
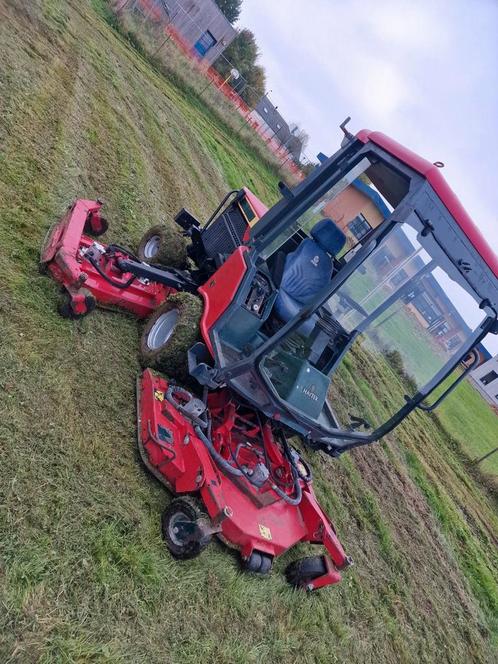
x,y
116,284
297,489
124,250
223,463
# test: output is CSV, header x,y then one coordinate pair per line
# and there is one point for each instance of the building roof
x,y
373,195
281,130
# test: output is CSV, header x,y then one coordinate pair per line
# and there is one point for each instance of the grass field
x,y
84,575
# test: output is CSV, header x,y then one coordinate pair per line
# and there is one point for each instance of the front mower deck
x,y
250,517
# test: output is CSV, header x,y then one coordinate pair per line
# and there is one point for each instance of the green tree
x,y
242,54
231,8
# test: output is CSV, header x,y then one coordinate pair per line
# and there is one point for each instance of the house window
x,y
399,278
359,227
442,329
279,126
427,308
453,342
265,109
489,378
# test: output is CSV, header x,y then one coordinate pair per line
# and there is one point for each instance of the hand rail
x,y
449,390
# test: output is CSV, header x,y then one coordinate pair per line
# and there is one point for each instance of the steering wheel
x,y
353,304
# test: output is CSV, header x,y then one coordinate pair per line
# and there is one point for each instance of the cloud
x,y
422,72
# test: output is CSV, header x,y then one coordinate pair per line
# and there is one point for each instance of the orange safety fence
x,y
151,10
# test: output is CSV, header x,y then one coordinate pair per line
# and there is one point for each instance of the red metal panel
x,y
435,178
220,290
258,206
250,518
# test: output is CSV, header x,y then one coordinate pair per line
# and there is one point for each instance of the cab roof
x,y
448,197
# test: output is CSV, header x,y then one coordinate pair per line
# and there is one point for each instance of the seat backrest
x,y
306,271
329,236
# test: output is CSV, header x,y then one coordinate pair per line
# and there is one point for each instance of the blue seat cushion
x,y
286,308
307,270
328,236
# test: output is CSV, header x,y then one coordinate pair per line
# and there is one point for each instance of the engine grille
x,y
225,233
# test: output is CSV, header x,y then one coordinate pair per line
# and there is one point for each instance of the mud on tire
x,y
162,245
303,571
168,334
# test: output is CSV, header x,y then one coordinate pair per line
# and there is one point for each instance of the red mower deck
x,y
65,255
254,520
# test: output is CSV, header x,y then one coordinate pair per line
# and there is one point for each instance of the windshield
x,y
355,204
396,322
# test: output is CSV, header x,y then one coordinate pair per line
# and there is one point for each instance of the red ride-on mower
x,y
370,267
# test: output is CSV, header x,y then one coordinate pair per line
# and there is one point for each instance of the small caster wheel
x,y
183,525
66,310
258,562
90,227
301,572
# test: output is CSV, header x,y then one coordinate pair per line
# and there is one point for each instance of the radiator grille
x,y
225,233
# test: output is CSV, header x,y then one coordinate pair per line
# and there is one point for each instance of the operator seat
x,y
307,270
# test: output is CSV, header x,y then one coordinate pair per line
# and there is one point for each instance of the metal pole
x,y
123,6
478,461
160,47
207,86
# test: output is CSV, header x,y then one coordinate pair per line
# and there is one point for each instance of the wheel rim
x,y
161,331
181,529
152,246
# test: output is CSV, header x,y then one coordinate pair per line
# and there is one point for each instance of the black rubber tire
x,y
171,250
302,571
65,308
87,228
190,508
171,358
258,563
253,563
266,564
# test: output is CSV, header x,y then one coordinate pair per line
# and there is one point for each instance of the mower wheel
x,y
301,572
88,229
65,306
169,333
183,525
258,563
163,245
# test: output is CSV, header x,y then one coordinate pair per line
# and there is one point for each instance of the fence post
x,y
476,462
123,6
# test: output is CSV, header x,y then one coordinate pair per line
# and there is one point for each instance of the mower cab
x,y
371,261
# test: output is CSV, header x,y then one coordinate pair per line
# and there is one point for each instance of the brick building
x,y
485,378
200,24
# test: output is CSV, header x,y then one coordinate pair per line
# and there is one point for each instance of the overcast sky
x,y
423,72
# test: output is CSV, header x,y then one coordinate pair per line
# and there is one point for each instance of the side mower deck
x,y
90,272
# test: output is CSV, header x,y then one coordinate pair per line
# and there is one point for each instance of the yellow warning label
x,y
264,531
158,395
